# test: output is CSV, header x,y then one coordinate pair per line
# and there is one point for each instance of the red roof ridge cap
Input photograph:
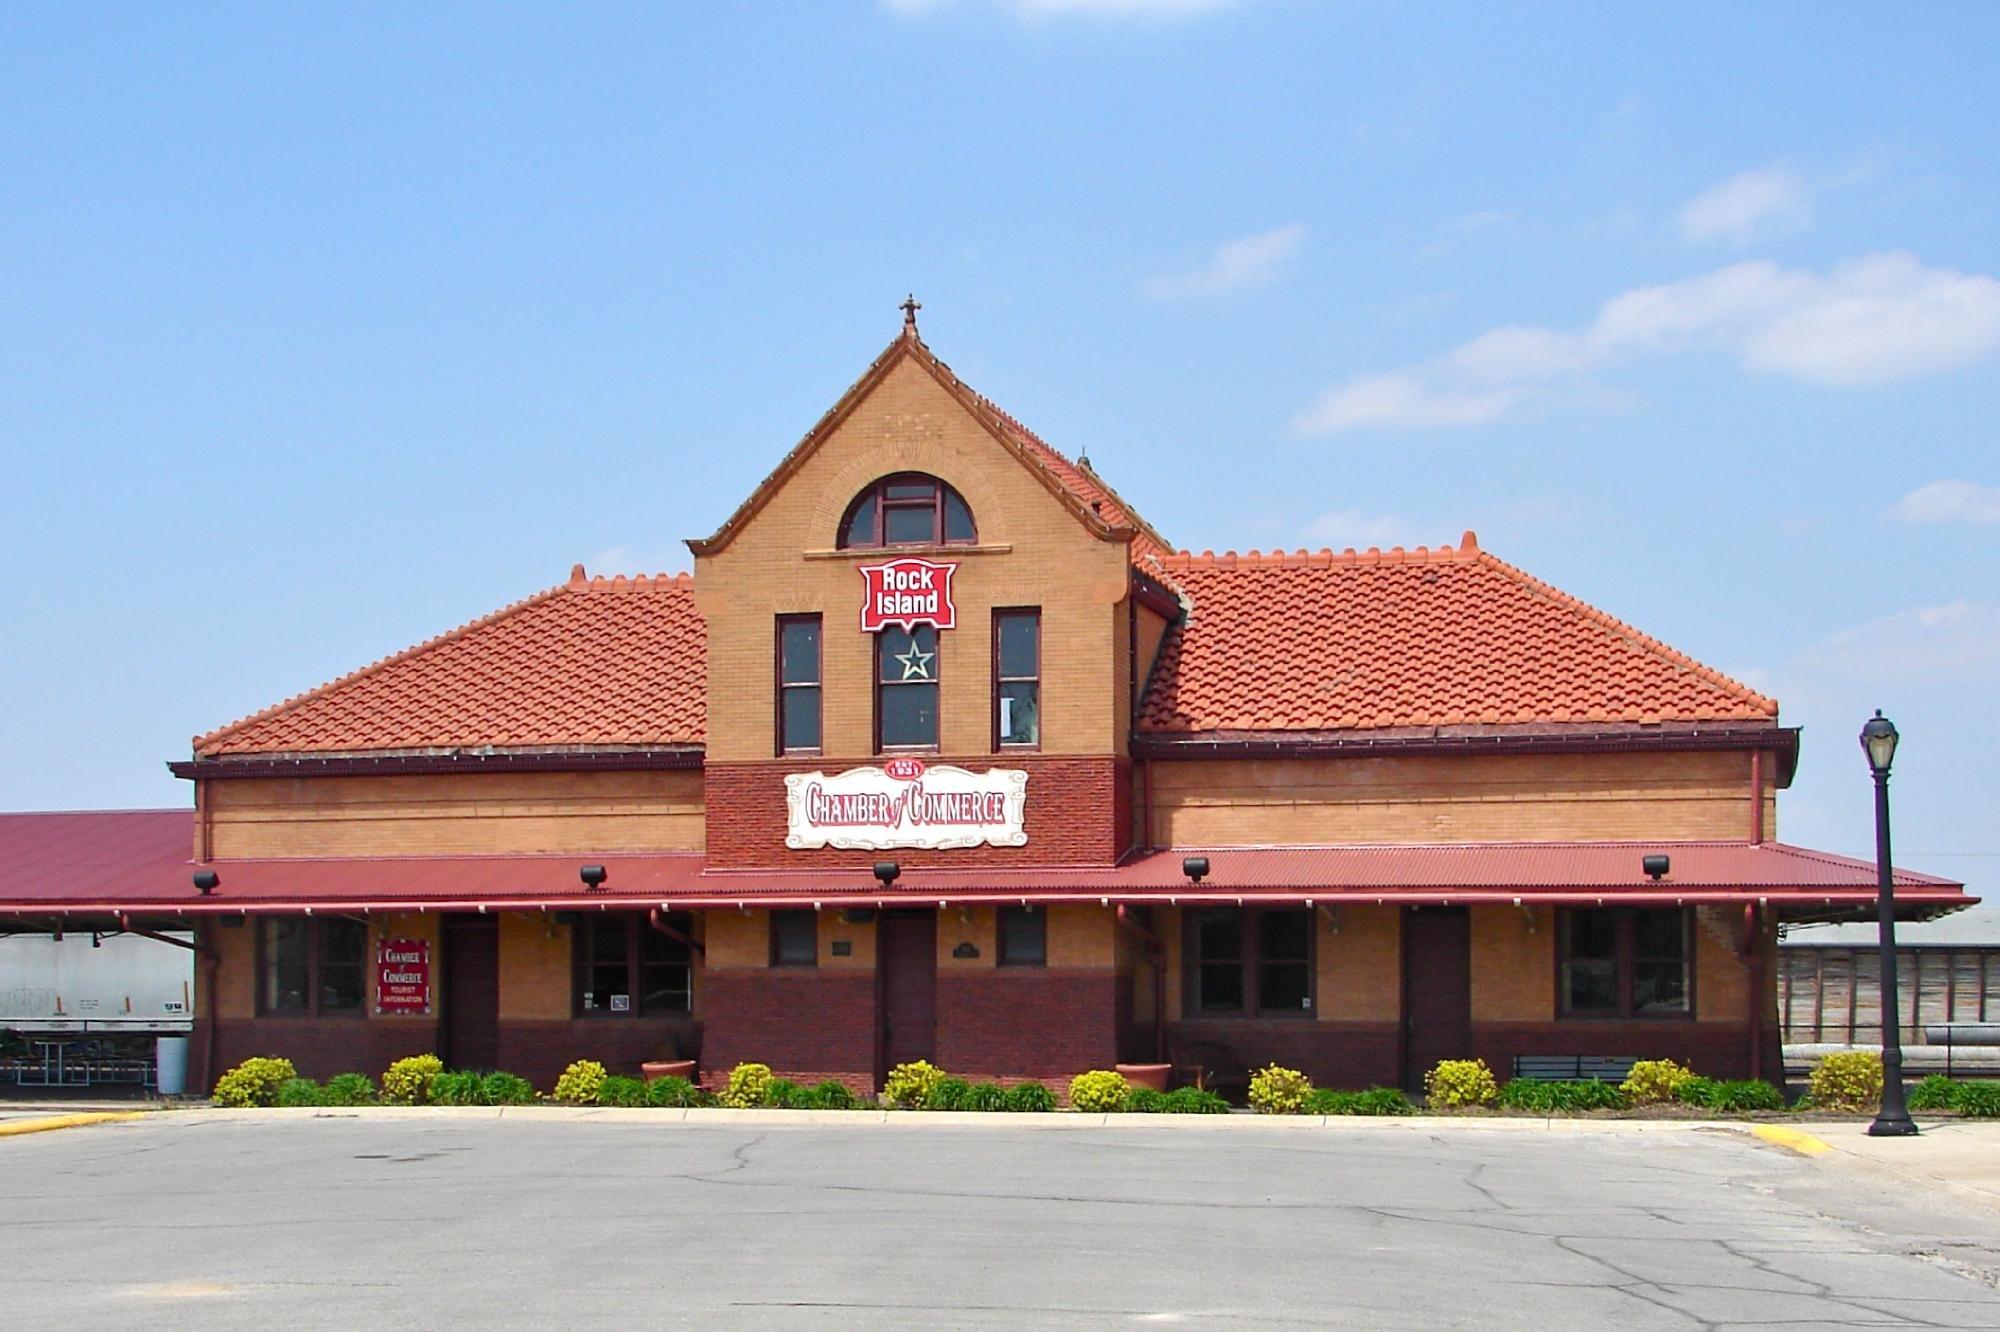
x,y
223,732
1638,636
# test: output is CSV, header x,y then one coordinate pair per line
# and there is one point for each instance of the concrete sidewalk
x,y
1962,1155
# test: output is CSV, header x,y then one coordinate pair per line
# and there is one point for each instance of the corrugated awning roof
x,y
1802,882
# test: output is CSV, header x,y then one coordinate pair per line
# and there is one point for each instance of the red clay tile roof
x,y
1420,638
1086,485
597,661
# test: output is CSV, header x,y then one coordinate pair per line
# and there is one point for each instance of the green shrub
x,y
1977,1100
1195,1101
348,1089
298,1091
458,1088
1374,1101
1936,1092
985,1096
783,1094
1739,1097
1278,1091
1460,1082
505,1089
254,1082
1850,1080
948,1093
1098,1091
746,1087
677,1093
1030,1098
909,1085
1560,1098
1146,1101
621,1091
1654,1080
580,1082
830,1095
408,1081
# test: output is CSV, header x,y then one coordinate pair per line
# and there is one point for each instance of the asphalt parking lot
x,y
204,1219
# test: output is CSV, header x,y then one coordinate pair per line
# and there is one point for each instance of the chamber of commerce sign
x,y
908,592
906,803
403,976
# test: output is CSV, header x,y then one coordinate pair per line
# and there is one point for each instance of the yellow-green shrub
x,y
1850,1080
408,1081
1098,1091
254,1082
580,1083
910,1086
1279,1091
1653,1080
1460,1082
748,1087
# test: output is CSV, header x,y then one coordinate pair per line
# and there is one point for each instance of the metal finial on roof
x,y
1083,459
910,307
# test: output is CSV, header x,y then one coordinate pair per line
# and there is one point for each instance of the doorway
x,y
1437,989
907,956
472,992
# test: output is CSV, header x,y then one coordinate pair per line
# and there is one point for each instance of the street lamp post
x,y
1878,741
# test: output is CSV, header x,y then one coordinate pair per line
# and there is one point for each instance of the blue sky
x,y
326,330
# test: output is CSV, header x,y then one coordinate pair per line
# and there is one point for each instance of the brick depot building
x,y
943,752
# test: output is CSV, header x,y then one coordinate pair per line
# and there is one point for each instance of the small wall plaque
x,y
843,948
966,950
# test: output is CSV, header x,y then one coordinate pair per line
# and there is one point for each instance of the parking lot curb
x,y
1805,1144
16,1128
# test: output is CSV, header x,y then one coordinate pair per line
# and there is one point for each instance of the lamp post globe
x,y
1878,742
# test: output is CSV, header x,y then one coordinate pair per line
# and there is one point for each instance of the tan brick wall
x,y
1082,936
1503,798
978,926
1513,964
457,814
535,975
1032,551
741,940
1360,965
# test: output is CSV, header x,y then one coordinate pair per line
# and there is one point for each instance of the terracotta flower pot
x,y
670,1068
1153,1076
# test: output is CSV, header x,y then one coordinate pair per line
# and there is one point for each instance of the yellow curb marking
x,y
1805,1144
17,1127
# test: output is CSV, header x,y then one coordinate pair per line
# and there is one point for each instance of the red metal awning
x,y
125,868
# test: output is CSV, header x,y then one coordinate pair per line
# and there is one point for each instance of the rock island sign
x,y
906,803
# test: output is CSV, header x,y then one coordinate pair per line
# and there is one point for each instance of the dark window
x,y
906,689
1249,962
312,967
625,967
798,684
794,938
907,510
1017,678
1620,962
1024,937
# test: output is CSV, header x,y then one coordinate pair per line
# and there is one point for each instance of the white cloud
x,y
1950,502
1750,204
1030,10
1352,527
1957,640
1875,319
1237,265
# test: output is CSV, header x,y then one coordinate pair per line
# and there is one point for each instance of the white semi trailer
x,y
95,984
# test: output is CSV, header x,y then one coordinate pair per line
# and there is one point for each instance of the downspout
x,y
1751,952
211,965
1756,797
1156,955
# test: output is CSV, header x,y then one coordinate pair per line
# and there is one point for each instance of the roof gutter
x,y
1780,740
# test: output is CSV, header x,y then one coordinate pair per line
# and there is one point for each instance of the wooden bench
x,y
1573,1068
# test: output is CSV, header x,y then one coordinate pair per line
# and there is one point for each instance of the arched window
x,y
908,509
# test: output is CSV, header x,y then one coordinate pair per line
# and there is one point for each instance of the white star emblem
x,y
916,663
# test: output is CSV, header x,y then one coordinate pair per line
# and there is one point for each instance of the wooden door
x,y
907,954
1437,989
472,992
